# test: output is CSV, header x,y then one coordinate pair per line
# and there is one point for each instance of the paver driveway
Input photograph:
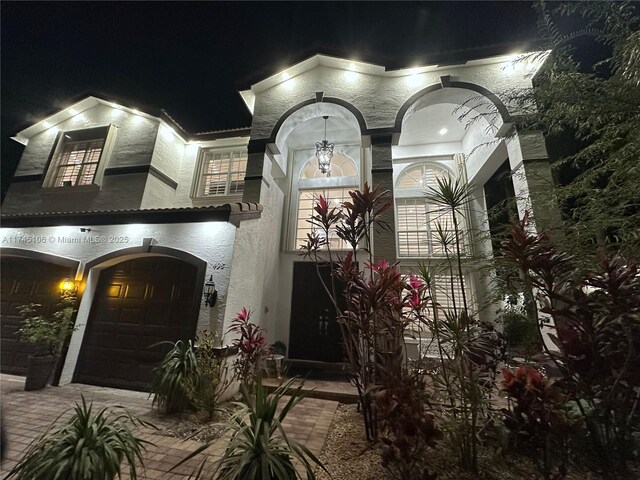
x,y
27,414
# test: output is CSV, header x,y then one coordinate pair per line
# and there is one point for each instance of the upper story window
x,y
221,172
79,157
334,188
417,220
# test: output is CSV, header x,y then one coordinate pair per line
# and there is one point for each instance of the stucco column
x,y
253,178
533,179
384,241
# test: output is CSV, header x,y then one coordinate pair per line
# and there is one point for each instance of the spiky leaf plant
x,y
86,447
178,369
259,448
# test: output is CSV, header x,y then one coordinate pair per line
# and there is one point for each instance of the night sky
x,y
191,58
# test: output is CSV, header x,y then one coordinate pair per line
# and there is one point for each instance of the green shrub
x,y
212,380
171,379
86,447
259,447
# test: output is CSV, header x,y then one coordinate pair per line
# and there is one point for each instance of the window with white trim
x,y
221,172
417,220
335,188
306,203
80,157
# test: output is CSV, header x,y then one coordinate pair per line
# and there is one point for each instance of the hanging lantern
x,y
324,151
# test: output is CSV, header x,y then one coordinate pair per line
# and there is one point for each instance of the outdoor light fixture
x,y
68,287
210,293
324,151
443,131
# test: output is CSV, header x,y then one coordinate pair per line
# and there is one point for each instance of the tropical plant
x,y
540,417
205,389
177,372
251,345
469,349
259,447
89,446
586,99
596,317
407,428
47,334
368,303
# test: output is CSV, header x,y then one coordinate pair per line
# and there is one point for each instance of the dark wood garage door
x,y
137,304
24,280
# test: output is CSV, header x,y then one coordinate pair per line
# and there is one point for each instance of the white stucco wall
x,y
209,241
168,151
377,97
255,276
133,146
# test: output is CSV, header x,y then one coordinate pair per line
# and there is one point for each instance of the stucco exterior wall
x,y
377,97
118,192
157,194
210,241
255,282
133,145
168,152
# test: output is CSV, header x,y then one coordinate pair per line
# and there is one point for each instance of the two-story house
x,y
141,214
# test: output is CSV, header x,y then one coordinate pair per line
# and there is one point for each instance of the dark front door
x,y
25,280
314,333
137,303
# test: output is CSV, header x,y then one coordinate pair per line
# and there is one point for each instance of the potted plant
x,y
88,446
47,335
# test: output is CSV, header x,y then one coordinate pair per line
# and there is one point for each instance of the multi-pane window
x,y
307,201
77,163
423,229
222,173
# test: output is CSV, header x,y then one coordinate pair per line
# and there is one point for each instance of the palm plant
x,y
172,378
259,448
87,447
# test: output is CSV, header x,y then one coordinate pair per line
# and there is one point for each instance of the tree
x,y
596,103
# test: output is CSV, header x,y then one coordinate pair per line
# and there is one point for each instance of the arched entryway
x,y
26,280
137,303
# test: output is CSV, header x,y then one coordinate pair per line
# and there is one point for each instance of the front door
x,y
137,303
314,333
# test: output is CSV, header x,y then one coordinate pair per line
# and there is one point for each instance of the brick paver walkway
x,y
28,414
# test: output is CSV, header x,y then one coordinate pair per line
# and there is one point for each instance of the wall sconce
x,y
68,286
210,292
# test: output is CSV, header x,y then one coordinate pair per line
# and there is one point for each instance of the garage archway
x,y
27,277
138,303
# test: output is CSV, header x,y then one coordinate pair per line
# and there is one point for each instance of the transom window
x,y
341,166
418,220
222,173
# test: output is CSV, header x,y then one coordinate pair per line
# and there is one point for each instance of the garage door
x,y
24,280
137,304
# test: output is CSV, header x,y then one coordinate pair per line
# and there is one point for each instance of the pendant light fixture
x,y
324,151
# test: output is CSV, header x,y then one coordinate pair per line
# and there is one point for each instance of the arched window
x,y
334,187
417,220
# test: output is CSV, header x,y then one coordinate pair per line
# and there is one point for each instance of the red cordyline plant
x,y
251,346
539,417
368,291
597,322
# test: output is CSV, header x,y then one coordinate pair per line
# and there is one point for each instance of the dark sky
x,y
191,58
